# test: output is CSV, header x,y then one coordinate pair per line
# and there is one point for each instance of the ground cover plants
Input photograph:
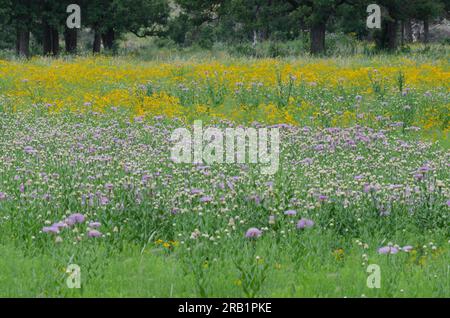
x,y
86,178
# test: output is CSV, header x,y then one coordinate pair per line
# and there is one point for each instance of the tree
x,y
95,17
7,31
392,11
51,14
19,15
193,15
71,34
261,19
426,10
234,20
109,19
351,18
317,13
147,18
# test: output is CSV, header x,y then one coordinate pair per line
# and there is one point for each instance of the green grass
x,y
152,273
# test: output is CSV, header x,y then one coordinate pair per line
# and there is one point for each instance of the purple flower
x,y
304,223
145,178
94,233
307,161
196,191
384,250
75,218
104,200
424,168
290,212
387,250
59,225
369,188
448,202
255,198
94,224
3,196
253,232
29,150
69,221
206,199
50,229
407,248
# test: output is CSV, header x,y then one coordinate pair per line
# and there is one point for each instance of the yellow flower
x,y
339,254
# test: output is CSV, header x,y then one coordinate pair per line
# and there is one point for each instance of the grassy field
x,y
87,178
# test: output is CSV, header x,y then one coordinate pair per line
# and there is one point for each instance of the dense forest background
x,y
31,27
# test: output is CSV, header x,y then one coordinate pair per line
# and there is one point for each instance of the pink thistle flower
x,y
304,223
387,250
407,248
94,233
50,229
290,212
75,218
94,225
253,232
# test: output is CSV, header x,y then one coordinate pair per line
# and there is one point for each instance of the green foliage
x,y
203,23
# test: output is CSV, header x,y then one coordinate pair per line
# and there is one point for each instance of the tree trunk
x,y
408,31
108,39
97,42
426,30
55,41
23,43
402,38
317,36
386,39
391,30
50,40
70,39
255,38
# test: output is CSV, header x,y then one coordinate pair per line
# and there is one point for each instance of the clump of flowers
x,y
92,229
253,232
94,225
394,249
94,233
70,221
388,250
170,245
304,223
407,248
195,234
290,212
50,229
74,218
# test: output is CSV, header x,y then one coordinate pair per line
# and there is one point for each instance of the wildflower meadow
x,y
93,202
